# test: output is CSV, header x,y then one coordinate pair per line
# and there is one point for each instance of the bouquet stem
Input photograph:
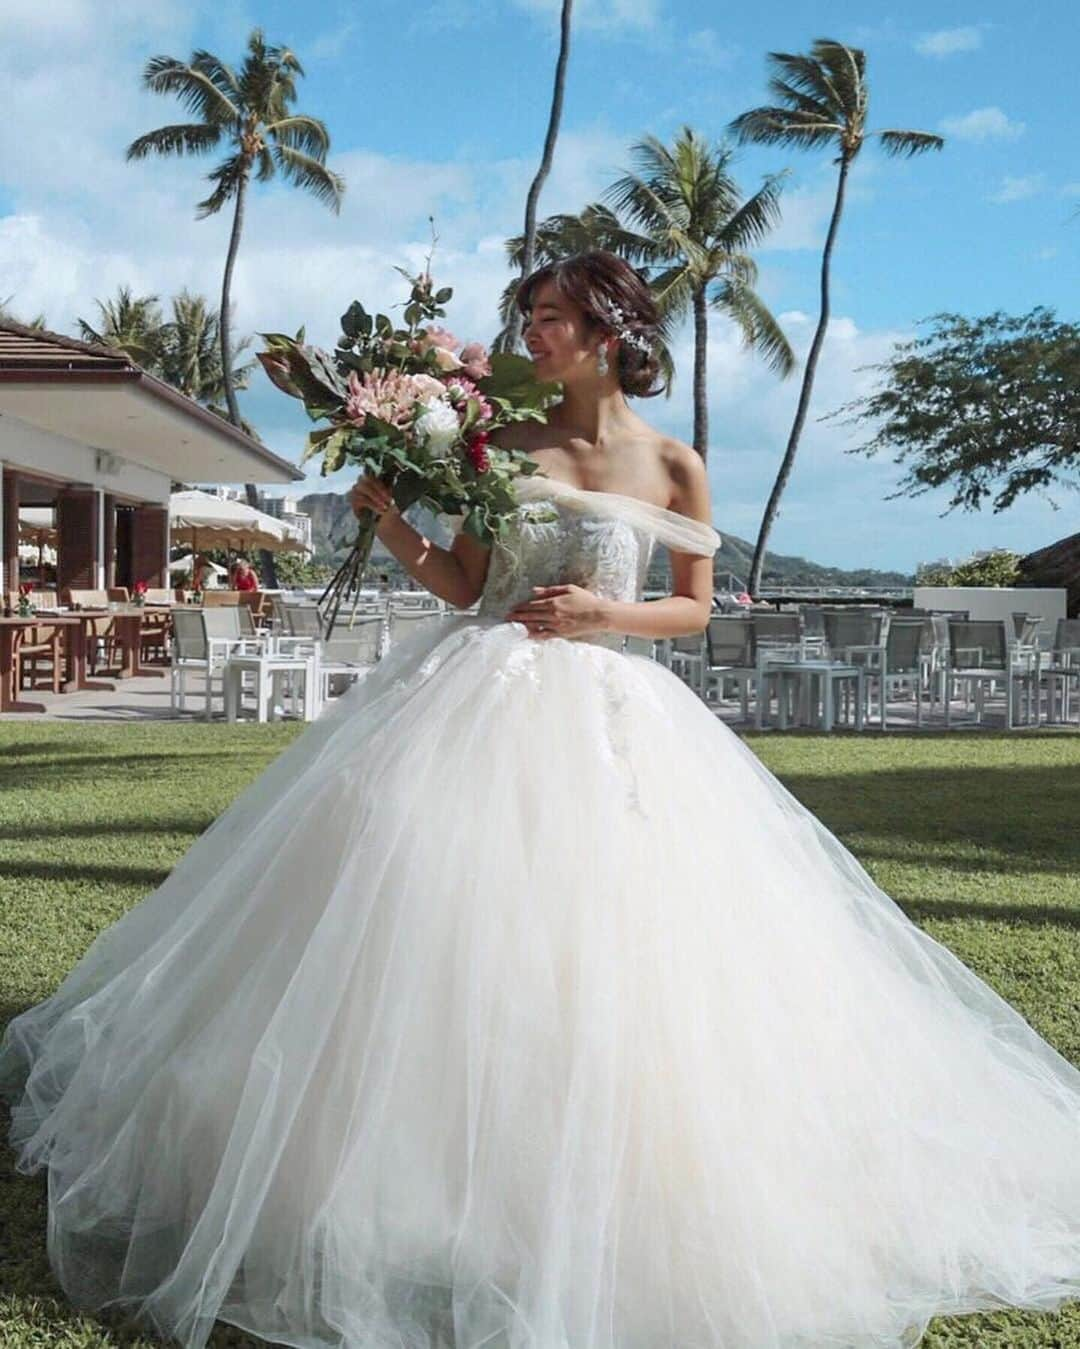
x,y
349,577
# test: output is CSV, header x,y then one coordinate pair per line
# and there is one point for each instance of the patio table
x,y
128,624
828,673
74,657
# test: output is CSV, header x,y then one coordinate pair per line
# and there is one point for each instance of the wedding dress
x,y
518,1006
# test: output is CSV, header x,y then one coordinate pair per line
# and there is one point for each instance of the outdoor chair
x,y
217,599
979,655
1060,667
34,646
118,595
191,652
903,662
101,641
349,652
687,657
403,621
640,646
854,635
1025,627
730,641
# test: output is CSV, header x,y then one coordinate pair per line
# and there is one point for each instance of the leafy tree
x,y
988,406
682,217
131,323
249,111
822,103
509,339
191,351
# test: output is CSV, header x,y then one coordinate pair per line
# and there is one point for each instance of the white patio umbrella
x,y
201,520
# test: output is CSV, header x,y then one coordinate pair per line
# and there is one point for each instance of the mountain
x,y
333,531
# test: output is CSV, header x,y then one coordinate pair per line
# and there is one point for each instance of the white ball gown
x,y
518,1006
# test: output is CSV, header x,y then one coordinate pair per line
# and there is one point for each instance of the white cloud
x,y
707,48
949,41
1019,188
983,124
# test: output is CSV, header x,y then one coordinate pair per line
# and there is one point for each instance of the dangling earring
x,y
602,366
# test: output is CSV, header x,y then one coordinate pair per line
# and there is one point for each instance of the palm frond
x,y
760,330
227,176
220,75
805,74
192,138
307,134
313,176
845,69
797,101
784,126
906,144
195,90
753,220
267,168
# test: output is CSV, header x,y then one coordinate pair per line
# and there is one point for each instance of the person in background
x,y
243,575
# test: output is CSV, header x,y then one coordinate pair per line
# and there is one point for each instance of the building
x,y
87,432
287,510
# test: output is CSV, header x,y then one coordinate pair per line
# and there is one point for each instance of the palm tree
x,y
132,324
822,101
511,335
682,217
191,352
248,110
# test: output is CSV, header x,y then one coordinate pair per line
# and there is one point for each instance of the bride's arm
x,y
455,574
571,611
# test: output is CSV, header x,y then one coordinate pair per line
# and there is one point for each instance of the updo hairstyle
x,y
615,299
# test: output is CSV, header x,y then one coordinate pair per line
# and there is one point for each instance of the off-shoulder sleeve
x,y
673,530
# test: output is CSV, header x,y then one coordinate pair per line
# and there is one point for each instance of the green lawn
x,y
974,834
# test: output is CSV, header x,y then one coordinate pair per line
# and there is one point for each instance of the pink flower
x,y
461,390
474,358
390,396
439,337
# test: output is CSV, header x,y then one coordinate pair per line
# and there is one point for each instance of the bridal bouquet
x,y
416,408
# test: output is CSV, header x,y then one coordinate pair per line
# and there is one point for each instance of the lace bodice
x,y
565,535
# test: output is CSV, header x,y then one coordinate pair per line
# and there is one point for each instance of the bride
x,y
518,1006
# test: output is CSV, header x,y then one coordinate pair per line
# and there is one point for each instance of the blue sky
x,y
440,109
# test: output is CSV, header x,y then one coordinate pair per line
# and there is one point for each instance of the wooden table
x,y
127,622
74,650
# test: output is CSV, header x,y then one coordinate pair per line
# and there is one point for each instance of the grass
x,y
975,835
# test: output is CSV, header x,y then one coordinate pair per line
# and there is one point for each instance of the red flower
x,y
476,450
140,587
26,588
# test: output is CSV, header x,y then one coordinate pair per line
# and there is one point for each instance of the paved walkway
x,y
147,699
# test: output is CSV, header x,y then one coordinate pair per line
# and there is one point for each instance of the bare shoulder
x,y
688,477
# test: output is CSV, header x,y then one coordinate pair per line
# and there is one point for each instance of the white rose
x,y
437,426
446,360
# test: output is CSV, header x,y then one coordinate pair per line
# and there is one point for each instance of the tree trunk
x,y
804,393
701,392
268,573
512,334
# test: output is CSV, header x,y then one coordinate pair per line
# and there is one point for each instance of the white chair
x,y
190,654
980,656
688,658
403,621
901,666
730,641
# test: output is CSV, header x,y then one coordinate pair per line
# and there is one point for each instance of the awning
x,y
97,396
204,521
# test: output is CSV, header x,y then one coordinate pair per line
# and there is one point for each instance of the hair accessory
x,y
616,318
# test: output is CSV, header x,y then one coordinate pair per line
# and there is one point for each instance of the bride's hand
x,y
561,611
371,493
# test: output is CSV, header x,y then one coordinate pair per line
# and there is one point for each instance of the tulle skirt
x,y
518,1006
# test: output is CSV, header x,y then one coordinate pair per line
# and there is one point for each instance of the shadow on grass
x,y
1029,812
60,872
165,825
1027,915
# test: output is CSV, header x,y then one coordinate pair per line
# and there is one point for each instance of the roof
x,y
97,395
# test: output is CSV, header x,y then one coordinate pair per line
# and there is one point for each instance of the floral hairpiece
x,y
617,320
